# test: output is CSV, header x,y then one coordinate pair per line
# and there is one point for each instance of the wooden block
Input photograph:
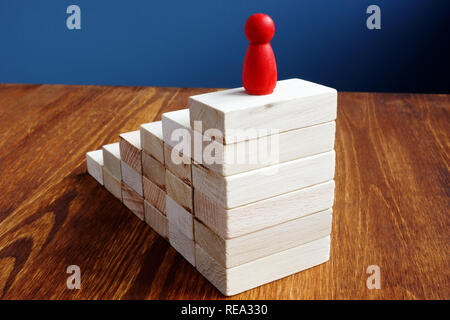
x,y
257,153
152,140
243,188
179,191
130,149
294,104
180,217
178,164
94,161
264,270
111,159
182,244
154,195
155,219
231,223
234,252
154,170
132,178
112,184
177,132
133,201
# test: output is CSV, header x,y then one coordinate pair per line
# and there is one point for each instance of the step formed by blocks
x,y
245,155
239,189
133,201
230,159
112,184
231,223
154,195
247,276
132,178
182,244
179,191
177,132
154,170
180,217
233,252
178,164
94,161
156,220
152,140
130,149
111,159
294,104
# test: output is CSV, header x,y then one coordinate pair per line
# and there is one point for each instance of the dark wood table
x,y
392,204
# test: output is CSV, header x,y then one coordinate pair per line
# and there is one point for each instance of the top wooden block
x,y
152,140
111,159
94,160
130,149
177,131
294,104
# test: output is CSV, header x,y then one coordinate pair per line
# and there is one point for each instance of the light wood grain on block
x,y
182,244
264,270
257,153
130,149
152,140
243,188
112,184
133,201
177,131
180,217
132,178
155,219
154,195
111,159
154,170
178,164
179,191
94,161
231,223
233,252
294,104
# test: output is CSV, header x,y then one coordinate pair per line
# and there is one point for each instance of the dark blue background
x,y
200,43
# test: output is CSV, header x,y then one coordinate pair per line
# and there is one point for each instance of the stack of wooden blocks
x,y
203,178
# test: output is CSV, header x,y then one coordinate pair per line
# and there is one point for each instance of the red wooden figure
x,y
259,75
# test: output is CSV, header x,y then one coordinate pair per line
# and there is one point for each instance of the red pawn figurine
x,y
259,74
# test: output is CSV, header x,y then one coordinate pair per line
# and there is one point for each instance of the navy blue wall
x,y
200,43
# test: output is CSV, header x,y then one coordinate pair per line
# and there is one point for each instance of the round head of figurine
x,y
259,28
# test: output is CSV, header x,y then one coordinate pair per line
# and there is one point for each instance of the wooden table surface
x,y
392,204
